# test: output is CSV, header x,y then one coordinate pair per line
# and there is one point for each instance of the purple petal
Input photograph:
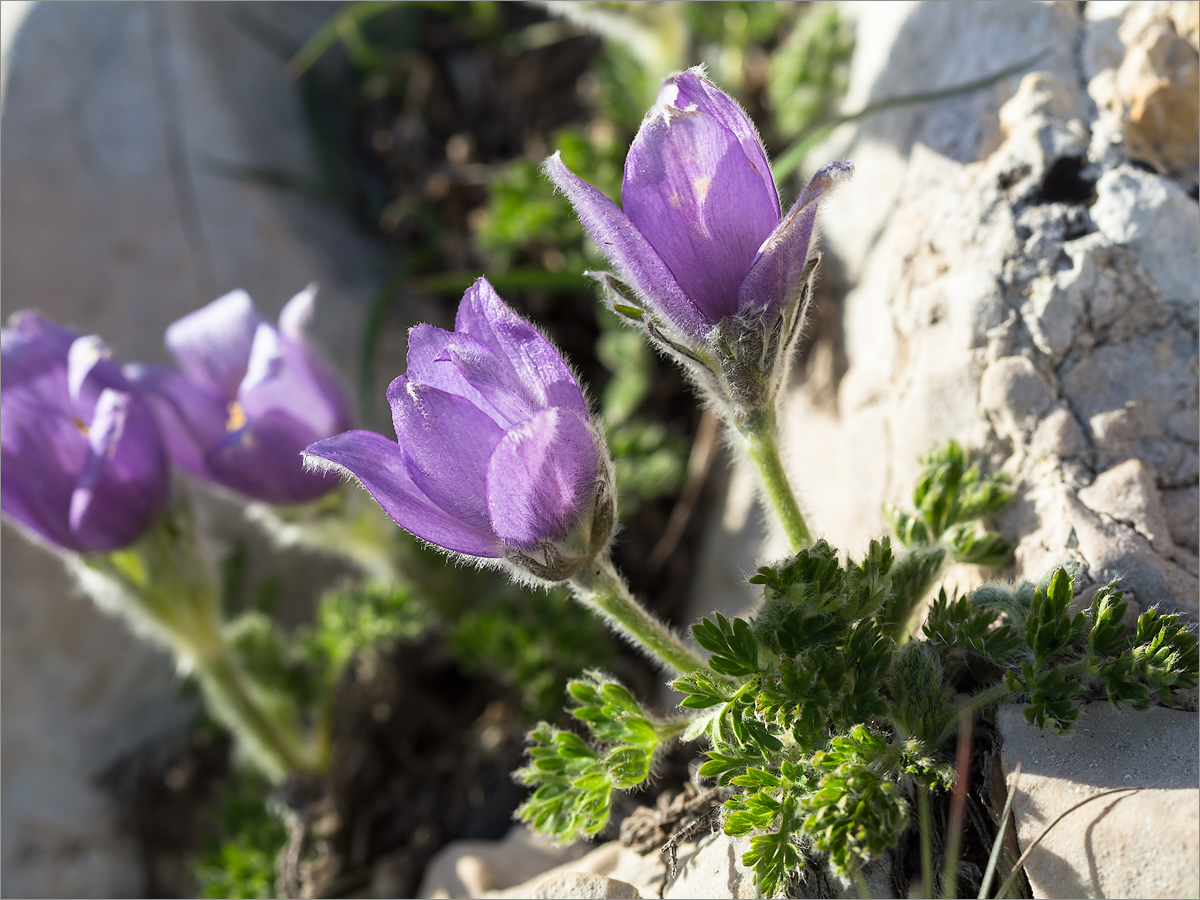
x,y
379,465
32,347
434,357
124,482
447,443
541,478
279,378
693,89
294,322
263,460
212,344
41,450
774,277
636,261
190,420
704,207
530,359
297,314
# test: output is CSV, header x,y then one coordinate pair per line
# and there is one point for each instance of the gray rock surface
x,y
114,220
1141,844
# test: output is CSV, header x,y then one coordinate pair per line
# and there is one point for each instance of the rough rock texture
x,y
1139,844
1035,297
115,116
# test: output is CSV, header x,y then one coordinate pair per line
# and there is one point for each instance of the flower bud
x,y
495,457
714,272
84,465
247,399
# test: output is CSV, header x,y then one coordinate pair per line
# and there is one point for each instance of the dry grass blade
x,y
1020,862
994,858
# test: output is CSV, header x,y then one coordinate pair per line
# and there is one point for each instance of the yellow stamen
x,y
237,416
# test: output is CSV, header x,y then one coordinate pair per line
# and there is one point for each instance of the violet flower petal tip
x,y
250,395
297,314
379,465
83,460
637,263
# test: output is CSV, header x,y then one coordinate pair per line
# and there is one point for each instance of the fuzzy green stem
x,y
601,588
226,686
761,435
163,586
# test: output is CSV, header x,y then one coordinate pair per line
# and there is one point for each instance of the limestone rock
x,y
1139,844
472,868
583,886
1127,493
1021,283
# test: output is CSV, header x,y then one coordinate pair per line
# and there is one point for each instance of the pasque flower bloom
x,y
84,466
496,457
247,399
701,239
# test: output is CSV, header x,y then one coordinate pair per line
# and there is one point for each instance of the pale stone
x,y
1015,392
471,868
583,886
1141,844
1180,507
1159,223
1127,493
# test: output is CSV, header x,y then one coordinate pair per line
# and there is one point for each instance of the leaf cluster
x,y
950,497
1065,651
574,777
824,714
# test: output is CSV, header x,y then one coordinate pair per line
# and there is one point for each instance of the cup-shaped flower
x,y
84,466
495,456
248,397
701,247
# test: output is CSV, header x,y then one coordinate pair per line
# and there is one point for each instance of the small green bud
x,y
920,705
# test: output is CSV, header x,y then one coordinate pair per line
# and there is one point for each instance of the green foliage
x,y
523,219
1159,658
857,811
240,862
823,714
732,644
971,625
575,778
810,70
354,617
650,458
950,497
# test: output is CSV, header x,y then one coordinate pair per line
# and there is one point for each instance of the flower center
x,y
237,416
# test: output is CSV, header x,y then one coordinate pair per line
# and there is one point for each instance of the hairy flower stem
x,y
760,432
164,589
601,588
226,687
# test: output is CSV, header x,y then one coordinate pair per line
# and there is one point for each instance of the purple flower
x,y
84,466
701,238
496,457
247,399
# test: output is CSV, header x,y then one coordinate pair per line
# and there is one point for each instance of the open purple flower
x,y
247,399
84,465
701,239
496,457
